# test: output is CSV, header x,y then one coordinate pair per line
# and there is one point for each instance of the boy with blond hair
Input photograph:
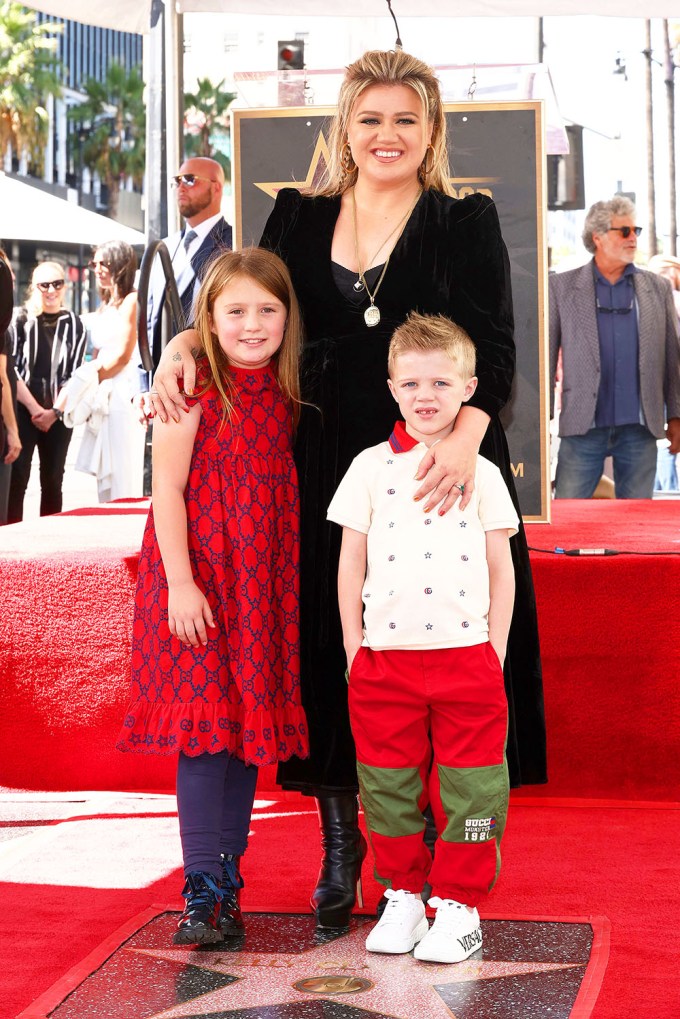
x,y
426,602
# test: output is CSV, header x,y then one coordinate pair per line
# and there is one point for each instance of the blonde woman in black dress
x,y
381,237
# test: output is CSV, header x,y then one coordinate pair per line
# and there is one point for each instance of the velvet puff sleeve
x,y
480,296
282,221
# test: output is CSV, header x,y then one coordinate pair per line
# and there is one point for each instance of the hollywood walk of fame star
x,y
399,987
320,159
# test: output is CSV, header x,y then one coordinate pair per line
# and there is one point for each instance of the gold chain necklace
x,y
359,285
372,313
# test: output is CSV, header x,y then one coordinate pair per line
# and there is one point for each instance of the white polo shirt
x,y
427,578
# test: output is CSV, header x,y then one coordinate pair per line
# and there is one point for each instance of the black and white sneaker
x,y
455,934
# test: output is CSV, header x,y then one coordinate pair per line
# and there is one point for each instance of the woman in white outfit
x,y
113,336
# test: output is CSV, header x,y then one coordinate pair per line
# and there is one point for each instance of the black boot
x,y
231,921
344,849
199,923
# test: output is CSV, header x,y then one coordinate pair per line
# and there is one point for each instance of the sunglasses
x,y
94,265
188,179
55,284
626,231
615,311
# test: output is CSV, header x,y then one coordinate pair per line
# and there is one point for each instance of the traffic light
x,y
291,55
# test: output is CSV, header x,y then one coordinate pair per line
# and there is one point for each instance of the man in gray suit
x,y
199,185
616,326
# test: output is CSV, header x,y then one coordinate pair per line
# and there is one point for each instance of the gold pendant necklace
x,y
372,313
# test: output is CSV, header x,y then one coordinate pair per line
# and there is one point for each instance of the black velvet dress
x,y
451,260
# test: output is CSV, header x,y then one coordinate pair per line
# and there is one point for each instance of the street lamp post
x,y
81,135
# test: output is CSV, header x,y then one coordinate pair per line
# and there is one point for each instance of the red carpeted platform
x,y
610,643
610,632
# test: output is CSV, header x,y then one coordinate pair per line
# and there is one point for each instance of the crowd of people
x,y
320,587
59,369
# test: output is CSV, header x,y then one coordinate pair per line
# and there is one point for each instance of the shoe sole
x,y
422,955
205,937
333,919
408,944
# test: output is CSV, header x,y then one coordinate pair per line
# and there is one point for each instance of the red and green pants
x,y
431,727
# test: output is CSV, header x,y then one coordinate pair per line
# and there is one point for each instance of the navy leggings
x,y
215,794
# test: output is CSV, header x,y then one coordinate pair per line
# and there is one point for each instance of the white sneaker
x,y
401,926
454,935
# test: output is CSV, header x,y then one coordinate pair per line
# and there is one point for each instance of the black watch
x,y
59,414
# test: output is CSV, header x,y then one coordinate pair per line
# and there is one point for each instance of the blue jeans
x,y
581,458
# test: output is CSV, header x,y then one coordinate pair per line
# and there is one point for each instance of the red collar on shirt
x,y
400,441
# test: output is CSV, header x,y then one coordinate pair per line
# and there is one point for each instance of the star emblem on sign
x,y
389,985
318,162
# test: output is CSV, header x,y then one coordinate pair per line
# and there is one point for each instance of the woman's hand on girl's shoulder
x,y
177,362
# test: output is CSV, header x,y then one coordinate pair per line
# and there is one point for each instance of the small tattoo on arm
x,y
177,357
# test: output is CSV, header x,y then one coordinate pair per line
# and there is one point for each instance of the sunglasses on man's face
x,y
55,284
189,179
626,231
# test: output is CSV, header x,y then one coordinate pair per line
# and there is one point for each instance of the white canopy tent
x,y
134,15
30,214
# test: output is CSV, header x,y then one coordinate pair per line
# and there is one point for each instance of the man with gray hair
x,y
616,327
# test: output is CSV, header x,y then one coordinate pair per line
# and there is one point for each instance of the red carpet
x,y
609,630
558,861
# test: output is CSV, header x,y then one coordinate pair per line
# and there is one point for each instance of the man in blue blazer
x,y
616,327
199,185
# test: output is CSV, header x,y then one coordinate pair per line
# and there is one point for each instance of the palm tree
x,y
205,115
28,74
113,118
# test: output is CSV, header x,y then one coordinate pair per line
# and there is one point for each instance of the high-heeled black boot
x,y
344,849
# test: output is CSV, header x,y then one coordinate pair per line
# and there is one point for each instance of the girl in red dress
x,y
215,659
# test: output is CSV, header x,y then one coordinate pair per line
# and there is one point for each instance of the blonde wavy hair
x,y
269,272
388,67
426,333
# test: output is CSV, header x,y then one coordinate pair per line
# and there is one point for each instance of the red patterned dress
x,y
241,691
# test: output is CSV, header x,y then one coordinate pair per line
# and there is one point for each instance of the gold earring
x,y
424,170
346,159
